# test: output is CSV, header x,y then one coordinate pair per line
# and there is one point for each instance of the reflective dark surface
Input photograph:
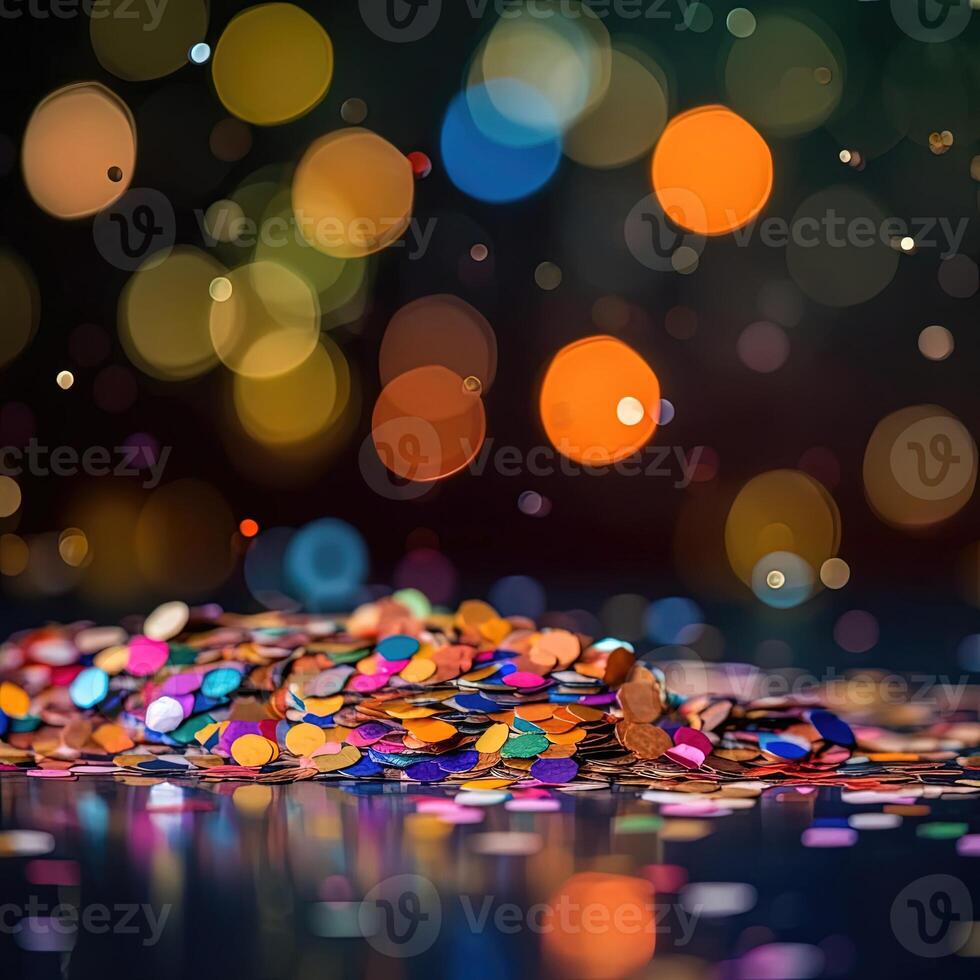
x,y
165,879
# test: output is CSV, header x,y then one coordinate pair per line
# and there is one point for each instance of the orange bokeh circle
x,y
600,401
715,155
426,425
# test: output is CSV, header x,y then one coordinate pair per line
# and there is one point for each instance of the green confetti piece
x,y
186,730
181,654
939,830
524,747
638,823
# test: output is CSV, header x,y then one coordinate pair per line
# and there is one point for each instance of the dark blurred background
x,y
603,536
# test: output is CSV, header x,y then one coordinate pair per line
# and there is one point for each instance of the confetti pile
x,y
395,692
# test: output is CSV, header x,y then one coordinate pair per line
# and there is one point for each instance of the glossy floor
x,y
149,879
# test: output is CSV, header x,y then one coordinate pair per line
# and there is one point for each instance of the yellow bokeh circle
x,y
270,322
298,405
272,64
353,193
164,315
781,511
144,39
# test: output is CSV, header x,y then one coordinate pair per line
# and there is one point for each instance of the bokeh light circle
x,y
20,311
920,466
763,347
717,157
269,324
145,40
835,573
626,121
856,631
353,193
164,315
443,330
782,511
935,343
299,404
518,595
675,620
558,53
325,563
73,139
836,254
775,74
427,425
183,538
272,64
264,568
511,164
580,398
10,496
783,580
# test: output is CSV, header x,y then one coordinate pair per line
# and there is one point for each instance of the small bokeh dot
x,y
548,276
936,343
354,111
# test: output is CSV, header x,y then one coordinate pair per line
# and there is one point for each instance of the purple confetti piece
x,y
554,771
425,772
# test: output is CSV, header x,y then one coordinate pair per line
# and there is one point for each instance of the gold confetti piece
x,y
14,701
534,712
112,660
131,760
324,707
419,669
302,739
566,738
112,738
493,738
430,730
202,735
473,612
495,631
252,750
408,711
684,830
477,784
563,646
346,757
